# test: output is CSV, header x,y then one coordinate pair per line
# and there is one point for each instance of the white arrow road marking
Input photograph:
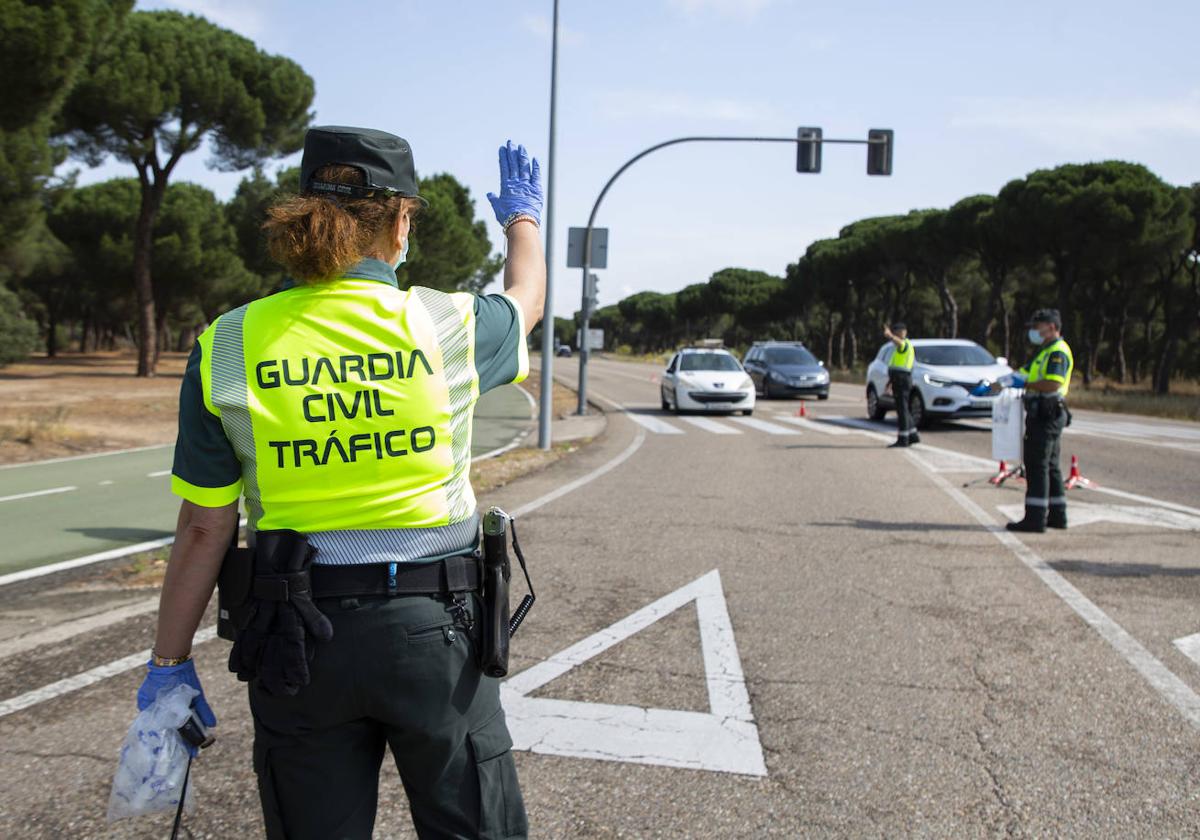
x,y
723,740
158,474
51,491
1086,513
1189,646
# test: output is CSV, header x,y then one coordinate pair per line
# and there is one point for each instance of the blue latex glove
x,y
520,185
1018,381
982,389
159,677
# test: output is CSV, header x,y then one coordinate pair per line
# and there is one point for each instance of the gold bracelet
x,y
168,661
522,218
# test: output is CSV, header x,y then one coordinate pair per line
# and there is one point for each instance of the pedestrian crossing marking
x,y
709,425
725,739
764,426
813,426
653,424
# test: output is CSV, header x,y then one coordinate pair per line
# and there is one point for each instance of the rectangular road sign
x,y
595,339
575,237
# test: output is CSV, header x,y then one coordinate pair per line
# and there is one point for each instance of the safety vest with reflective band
x,y
1055,363
903,357
349,404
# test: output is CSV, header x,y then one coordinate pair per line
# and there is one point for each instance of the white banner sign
x,y
1008,426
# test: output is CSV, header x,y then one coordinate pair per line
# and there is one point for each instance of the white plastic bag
x,y
1008,426
154,758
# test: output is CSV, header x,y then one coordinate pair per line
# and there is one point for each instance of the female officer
x,y
341,408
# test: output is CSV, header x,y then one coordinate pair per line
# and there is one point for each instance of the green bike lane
x,y
59,510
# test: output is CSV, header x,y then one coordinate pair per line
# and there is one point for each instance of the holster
x,y
497,570
234,584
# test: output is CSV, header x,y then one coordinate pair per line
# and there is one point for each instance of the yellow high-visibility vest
x,y
349,404
1037,370
903,357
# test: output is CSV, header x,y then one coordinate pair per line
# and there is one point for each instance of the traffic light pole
x,y
584,344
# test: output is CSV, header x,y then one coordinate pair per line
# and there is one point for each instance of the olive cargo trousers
x,y
400,672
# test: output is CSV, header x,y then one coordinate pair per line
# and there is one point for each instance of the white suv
x,y
946,370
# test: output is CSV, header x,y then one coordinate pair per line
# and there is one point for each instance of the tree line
x,y
146,259
1111,245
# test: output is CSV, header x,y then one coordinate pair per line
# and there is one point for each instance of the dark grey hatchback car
x,y
786,369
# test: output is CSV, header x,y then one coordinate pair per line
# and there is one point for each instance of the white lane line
x,y
764,426
87,560
813,426
710,425
520,437
864,427
1134,497
83,680
1172,689
558,493
107,482
1185,447
653,424
158,474
82,457
70,629
49,492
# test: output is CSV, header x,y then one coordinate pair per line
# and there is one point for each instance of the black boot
x,y
900,444
1057,517
1033,523
914,438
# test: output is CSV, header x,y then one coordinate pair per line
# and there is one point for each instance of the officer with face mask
x,y
1046,380
341,410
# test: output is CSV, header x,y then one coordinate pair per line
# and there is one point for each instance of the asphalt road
x,y
749,629
64,509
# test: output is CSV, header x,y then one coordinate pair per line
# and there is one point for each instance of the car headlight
x,y
938,381
746,382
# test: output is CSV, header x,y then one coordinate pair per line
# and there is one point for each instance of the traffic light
x,y
808,150
879,154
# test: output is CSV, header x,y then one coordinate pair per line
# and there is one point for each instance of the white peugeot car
x,y
945,371
706,379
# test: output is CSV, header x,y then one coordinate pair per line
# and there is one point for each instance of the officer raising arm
x,y
341,409
900,367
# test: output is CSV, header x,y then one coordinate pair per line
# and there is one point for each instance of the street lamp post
x,y
546,408
875,138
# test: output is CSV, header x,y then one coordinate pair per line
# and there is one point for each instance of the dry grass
x,y
77,404
1182,404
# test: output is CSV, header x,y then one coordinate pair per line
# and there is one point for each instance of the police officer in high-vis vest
x,y
900,367
341,410
1046,380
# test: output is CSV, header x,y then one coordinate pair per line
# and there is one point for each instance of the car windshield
x,y
708,361
790,356
954,354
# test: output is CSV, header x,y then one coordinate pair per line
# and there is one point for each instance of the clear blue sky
x,y
978,93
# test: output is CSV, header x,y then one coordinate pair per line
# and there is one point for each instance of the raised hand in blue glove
x,y
159,677
520,186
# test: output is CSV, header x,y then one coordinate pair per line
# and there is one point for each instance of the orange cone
x,y
803,410
1076,479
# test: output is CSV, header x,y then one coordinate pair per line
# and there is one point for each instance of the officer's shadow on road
x,y
121,535
878,525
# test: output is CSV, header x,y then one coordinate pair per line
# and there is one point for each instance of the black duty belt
x,y
451,574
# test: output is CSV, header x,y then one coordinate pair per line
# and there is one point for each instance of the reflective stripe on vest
x,y
349,405
903,357
1037,368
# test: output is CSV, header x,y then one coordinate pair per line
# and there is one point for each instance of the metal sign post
x,y
546,409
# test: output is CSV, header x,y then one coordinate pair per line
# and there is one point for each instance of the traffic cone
x,y
1076,478
1006,472
803,410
